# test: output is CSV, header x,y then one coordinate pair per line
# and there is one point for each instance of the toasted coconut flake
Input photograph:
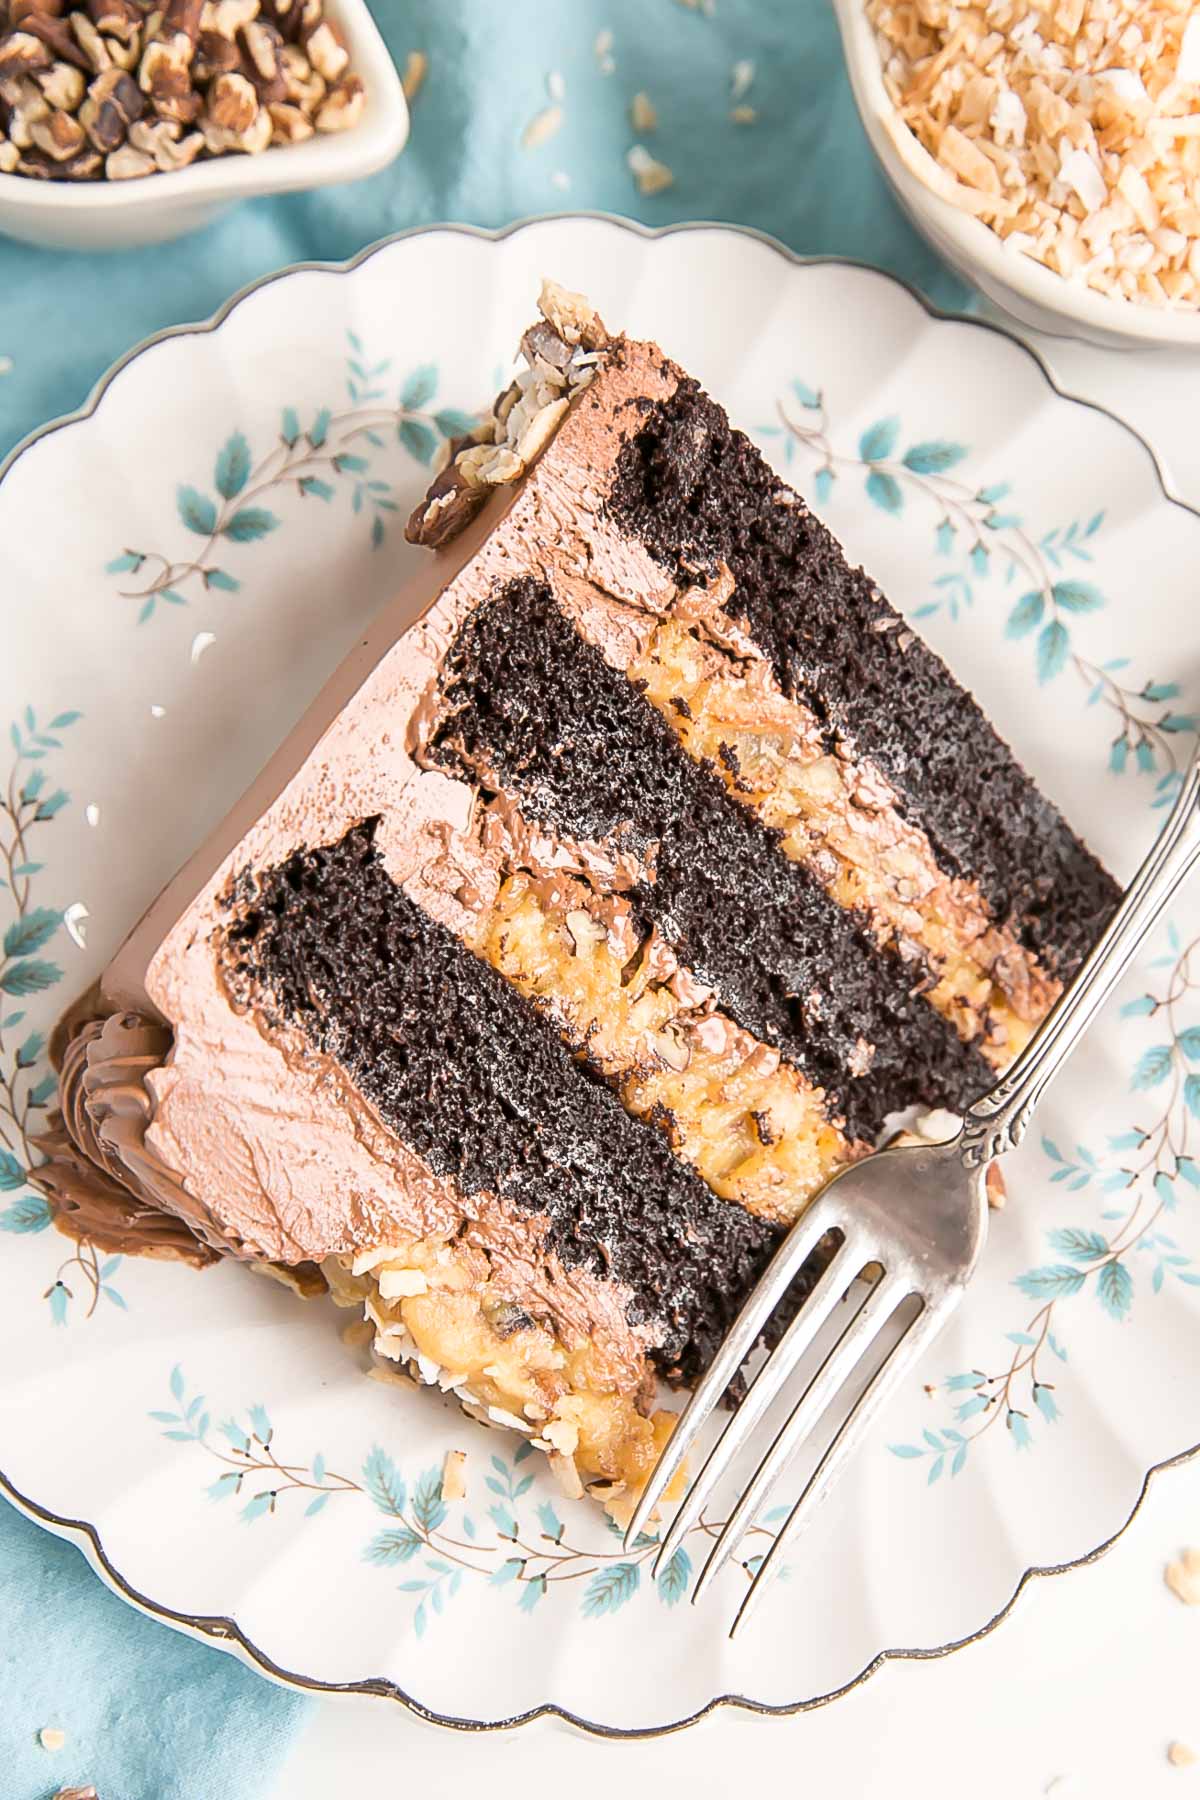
x,y
1183,1577
454,1484
642,114
416,67
542,127
741,79
652,176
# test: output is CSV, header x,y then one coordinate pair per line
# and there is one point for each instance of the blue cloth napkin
x,y
148,1714
803,171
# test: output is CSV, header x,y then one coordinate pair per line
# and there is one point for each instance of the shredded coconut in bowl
x,y
1072,128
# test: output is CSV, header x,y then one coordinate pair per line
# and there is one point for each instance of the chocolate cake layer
x,y
698,494
468,1072
529,701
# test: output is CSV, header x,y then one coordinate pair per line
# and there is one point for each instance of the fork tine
x,y
837,1277
847,1438
794,1251
843,1358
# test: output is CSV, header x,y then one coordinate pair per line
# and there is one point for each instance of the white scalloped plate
x,y
186,603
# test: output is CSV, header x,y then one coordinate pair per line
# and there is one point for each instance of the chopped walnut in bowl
x,y
217,99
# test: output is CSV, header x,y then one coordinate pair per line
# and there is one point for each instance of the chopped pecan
x,y
59,135
110,88
115,18
263,50
289,125
343,106
128,164
90,42
166,76
284,15
23,53
303,86
232,104
62,85
87,166
28,111
36,165
325,48
113,103
227,17
181,18
215,55
20,10
162,139
124,55
447,509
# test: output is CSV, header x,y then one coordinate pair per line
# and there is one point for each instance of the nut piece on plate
x,y
1183,1577
119,89
453,1483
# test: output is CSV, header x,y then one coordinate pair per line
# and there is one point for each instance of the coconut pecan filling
x,y
750,1124
434,1305
839,816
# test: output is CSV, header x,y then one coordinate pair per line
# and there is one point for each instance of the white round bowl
x,y
1018,284
115,215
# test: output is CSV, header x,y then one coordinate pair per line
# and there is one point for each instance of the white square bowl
x,y
114,215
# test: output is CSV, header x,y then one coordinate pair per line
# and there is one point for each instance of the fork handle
x,y
998,1121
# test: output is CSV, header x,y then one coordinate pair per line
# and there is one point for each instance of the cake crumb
x,y
52,1737
357,1333
454,1484
743,115
77,1793
1180,1756
997,1192
567,1475
392,1375
602,50
542,127
416,67
642,113
652,176
1183,1577
563,1434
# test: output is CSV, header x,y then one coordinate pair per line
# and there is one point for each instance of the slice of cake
x,y
582,928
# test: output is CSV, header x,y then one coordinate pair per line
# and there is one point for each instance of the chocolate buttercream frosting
x,y
102,1181
104,1108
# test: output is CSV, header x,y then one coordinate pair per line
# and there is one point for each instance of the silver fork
x,y
920,1214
